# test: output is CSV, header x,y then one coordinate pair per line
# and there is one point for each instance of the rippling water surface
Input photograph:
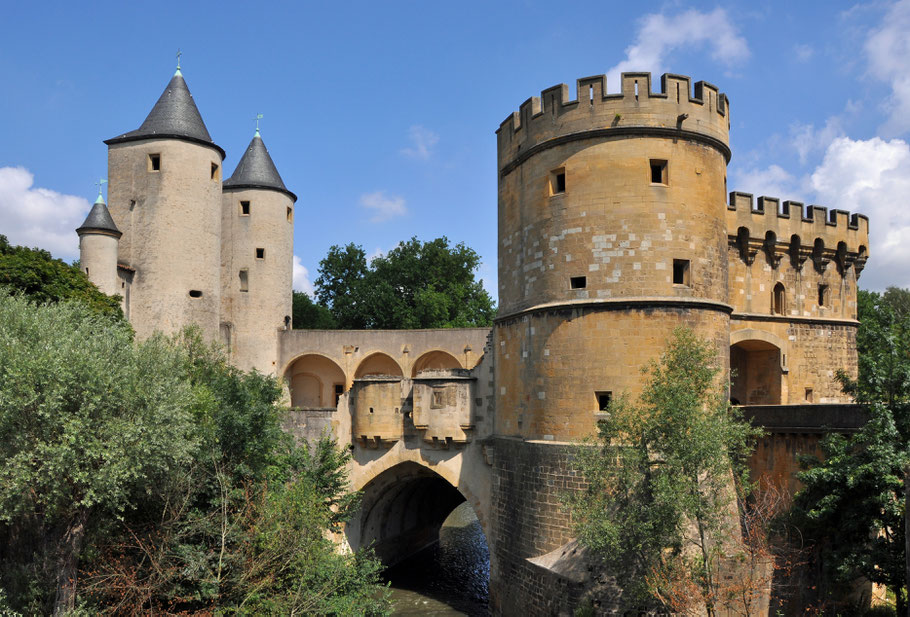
x,y
448,578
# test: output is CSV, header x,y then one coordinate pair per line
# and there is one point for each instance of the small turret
x,y
98,240
257,256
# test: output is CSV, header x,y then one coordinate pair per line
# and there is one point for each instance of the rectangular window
x,y
290,215
824,295
154,162
578,282
603,400
244,208
214,171
558,181
681,272
658,171
810,395
244,280
339,390
260,253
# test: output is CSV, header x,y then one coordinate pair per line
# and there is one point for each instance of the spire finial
x,y
101,182
179,53
258,118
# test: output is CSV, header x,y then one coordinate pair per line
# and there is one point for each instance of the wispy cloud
x,y
302,277
803,52
660,34
384,206
422,142
39,217
771,181
887,50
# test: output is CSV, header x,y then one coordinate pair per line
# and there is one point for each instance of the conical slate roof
x,y
99,219
256,170
174,116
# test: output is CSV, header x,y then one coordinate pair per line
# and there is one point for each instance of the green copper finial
x,y
258,118
179,53
101,182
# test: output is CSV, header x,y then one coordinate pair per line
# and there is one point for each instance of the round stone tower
x,y
257,259
165,196
98,239
611,234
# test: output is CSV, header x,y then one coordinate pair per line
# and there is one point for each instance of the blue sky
x,y
381,116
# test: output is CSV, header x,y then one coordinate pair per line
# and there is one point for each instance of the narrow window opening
x,y
603,400
214,171
824,295
290,215
339,390
371,410
154,162
260,253
86,271
591,94
658,171
681,272
810,395
244,208
132,204
677,93
779,300
244,280
636,89
558,181
195,293
578,282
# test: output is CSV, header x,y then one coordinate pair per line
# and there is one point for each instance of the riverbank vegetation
x,y
153,477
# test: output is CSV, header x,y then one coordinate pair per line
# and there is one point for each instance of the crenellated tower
x,y
165,196
611,234
257,252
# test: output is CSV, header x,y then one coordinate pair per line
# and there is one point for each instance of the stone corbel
x,y
773,252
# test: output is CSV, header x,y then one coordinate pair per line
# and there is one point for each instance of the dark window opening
x,y
681,272
244,280
371,410
578,282
779,300
154,162
824,295
260,253
132,204
244,208
557,181
339,390
195,293
658,172
603,400
810,395
290,215
214,171
86,271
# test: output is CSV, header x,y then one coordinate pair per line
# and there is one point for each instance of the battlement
x,y
676,108
792,226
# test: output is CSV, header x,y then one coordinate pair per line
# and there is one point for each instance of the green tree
x,y
853,503
307,314
36,274
416,285
661,481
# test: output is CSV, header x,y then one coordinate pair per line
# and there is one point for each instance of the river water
x,y
448,578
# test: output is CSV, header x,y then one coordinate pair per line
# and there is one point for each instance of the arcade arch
x,y
378,364
315,382
435,360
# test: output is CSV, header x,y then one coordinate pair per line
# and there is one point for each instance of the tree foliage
x,y
416,285
308,314
853,502
42,278
660,508
154,477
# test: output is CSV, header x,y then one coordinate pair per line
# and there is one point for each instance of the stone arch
x,y
315,381
435,359
757,365
403,507
378,363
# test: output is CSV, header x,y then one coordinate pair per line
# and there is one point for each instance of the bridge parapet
x,y
443,405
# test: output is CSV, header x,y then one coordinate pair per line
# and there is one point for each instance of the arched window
x,y
779,300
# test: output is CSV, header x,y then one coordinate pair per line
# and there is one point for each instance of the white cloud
x,y
887,49
872,177
659,35
38,217
384,206
422,142
803,52
772,181
302,278
806,139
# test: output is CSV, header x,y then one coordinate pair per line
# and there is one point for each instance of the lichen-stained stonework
x,y
614,230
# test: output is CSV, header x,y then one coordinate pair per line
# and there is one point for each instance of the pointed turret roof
x,y
256,170
174,116
99,220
